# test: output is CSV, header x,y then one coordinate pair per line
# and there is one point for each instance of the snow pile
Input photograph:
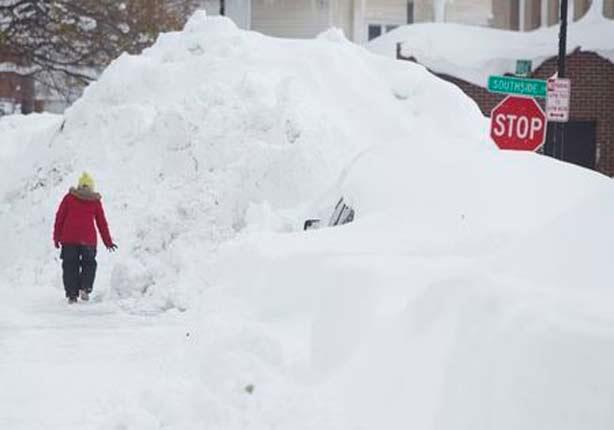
x,y
487,51
463,296
210,127
472,292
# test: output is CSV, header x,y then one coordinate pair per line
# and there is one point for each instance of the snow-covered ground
x,y
471,292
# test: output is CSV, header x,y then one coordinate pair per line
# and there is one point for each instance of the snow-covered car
x,y
342,214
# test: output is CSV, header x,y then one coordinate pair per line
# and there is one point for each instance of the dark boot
x,y
70,270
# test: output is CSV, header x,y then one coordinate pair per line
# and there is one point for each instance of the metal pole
x,y
410,11
560,127
562,39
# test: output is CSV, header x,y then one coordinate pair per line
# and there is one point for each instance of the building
x,y
589,135
526,15
364,20
360,20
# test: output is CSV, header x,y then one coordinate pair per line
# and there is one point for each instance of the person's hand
x,y
57,244
112,247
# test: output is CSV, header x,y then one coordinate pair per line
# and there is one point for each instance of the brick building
x,y
589,135
16,91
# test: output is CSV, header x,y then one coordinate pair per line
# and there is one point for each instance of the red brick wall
x,y
485,99
20,89
592,97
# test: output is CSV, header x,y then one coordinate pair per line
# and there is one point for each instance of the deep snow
x,y
471,292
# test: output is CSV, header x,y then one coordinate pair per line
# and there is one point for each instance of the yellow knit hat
x,y
86,181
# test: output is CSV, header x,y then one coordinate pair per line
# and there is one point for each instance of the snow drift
x,y
184,138
463,296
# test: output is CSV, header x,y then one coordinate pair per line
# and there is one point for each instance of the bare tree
x,y
55,41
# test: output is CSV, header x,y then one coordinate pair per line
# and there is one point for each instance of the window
x,y
375,30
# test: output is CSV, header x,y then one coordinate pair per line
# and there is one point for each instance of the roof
x,y
474,53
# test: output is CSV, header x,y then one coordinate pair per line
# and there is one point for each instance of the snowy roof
x,y
474,53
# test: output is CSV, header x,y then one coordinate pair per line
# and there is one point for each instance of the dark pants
x,y
79,267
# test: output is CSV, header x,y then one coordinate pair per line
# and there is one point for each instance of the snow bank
x,y
473,293
432,310
487,51
186,138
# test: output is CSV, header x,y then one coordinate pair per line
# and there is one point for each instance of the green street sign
x,y
523,67
519,86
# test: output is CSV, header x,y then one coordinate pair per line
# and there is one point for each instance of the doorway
x,y
579,143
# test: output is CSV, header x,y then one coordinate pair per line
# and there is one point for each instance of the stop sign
x,y
518,123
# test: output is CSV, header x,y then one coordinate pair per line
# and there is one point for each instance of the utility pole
x,y
222,7
559,131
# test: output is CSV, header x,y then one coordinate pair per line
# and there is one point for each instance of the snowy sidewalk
x,y
61,365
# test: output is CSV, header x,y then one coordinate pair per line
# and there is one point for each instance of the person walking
x,y
74,232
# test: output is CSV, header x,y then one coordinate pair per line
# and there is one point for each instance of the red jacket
x,y
74,220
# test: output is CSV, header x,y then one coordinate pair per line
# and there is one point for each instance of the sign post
x,y
518,123
559,130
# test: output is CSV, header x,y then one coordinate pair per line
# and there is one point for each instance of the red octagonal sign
x,y
518,123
